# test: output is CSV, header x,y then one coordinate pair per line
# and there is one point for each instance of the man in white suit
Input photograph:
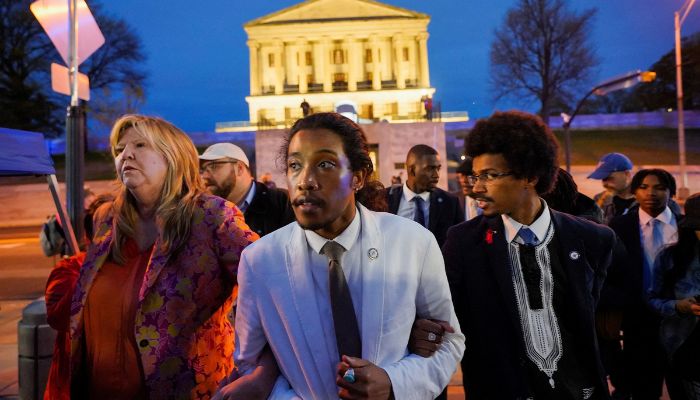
x,y
391,267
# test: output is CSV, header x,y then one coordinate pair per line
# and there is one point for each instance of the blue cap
x,y
609,163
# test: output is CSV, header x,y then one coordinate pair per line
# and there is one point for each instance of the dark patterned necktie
x,y
347,333
419,215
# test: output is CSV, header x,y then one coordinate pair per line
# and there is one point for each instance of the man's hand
x,y
688,306
371,382
257,385
422,332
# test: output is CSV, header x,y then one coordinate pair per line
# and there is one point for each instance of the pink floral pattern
x,y
182,331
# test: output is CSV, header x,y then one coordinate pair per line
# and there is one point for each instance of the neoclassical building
x,y
326,52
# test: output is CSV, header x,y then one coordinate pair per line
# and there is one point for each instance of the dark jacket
x,y
269,210
443,213
632,264
480,276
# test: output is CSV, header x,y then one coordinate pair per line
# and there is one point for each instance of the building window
x,y
405,53
339,77
370,76
338,56
270,60
310,78
368,55
308,58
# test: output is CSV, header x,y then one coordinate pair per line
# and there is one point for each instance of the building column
x,y
424,80
279,69
326,61
376,66
254,48
397,43
302,47
353,63
412,62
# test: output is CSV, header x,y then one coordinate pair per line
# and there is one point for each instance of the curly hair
x,y
355,148
665,178
563,195
527,144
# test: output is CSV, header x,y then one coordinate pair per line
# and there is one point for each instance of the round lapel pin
x,y
574,255
373,254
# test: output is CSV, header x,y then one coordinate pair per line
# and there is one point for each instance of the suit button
x,y
143,343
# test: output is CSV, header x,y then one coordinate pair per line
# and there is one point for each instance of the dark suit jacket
x,y
269,210
632,264
479,273
443,213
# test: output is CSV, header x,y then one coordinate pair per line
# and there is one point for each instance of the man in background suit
x,y
466,202
226,172
644,231
525,279
420,199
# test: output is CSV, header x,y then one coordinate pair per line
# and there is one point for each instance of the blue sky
x,y
198,59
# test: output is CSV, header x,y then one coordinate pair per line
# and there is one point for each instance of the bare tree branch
x,y
542,52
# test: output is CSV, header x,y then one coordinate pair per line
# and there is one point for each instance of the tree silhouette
x,y
542,52
27,102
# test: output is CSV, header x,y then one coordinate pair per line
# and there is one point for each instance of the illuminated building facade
x,y
327,52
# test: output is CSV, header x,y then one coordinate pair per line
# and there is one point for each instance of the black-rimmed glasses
x,y
212,166
486,177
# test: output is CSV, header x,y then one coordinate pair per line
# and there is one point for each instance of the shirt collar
x,y
346,238
539,227
248,199
409,194
666,217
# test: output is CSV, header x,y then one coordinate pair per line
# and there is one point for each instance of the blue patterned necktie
x,y
419,214
528,236
657,242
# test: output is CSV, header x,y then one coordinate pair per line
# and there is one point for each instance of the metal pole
x,y
75,132
73,50
683,191
75,165
63,216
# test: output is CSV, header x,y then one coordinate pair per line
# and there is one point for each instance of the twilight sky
x,y
198,59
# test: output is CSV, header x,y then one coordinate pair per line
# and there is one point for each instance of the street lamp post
x,y
621,82
683,191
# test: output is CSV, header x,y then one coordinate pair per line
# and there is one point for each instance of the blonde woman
x,y
148,316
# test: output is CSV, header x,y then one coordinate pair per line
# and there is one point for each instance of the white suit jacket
x,y
403,277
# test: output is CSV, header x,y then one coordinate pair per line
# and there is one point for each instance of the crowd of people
x,y
198,281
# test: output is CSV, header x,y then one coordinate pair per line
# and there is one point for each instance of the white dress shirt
x,y
539,227
407,207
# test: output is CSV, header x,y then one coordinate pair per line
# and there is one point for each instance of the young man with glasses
x,y
525,279
226,173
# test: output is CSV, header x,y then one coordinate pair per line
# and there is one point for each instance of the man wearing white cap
x,y
225,170
615,172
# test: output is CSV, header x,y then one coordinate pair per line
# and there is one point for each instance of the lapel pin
x,y
574,255
439,199
373,254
